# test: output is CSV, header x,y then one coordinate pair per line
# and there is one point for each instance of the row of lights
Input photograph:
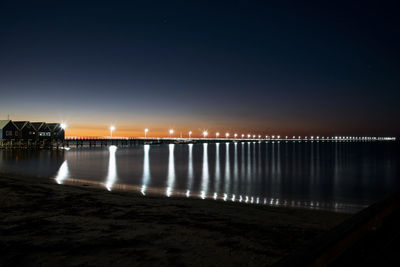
x,y
205,134
249,136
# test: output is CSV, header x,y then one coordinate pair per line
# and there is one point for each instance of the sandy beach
x,y
46,224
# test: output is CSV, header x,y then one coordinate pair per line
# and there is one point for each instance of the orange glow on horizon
x,y
127,132
196,132
121,131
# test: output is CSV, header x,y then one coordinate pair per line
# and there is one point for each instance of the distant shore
x,y
43,223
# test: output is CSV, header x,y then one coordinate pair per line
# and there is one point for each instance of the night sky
x,y
262,67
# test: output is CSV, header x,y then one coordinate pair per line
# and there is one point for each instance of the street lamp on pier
x,y
145,132
63,126
112,128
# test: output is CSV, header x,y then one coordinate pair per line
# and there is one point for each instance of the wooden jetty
x,y
78,142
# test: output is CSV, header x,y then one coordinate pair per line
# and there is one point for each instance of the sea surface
x,y
337,176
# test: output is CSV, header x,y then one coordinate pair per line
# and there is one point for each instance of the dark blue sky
x,y
257,66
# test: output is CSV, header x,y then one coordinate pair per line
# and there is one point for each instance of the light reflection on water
x,y
146,169
217,170
112,168
335,176
63,173
171,171
205,173
227,181
235,170
190,170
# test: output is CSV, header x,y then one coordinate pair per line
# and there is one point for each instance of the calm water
x,y
334,175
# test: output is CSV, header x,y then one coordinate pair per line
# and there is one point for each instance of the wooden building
x,y
26,130
57,132
43,131
8,130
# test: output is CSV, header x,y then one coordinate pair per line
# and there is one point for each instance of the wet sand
x,y
46,224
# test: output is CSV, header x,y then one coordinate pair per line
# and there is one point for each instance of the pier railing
x,y
89,141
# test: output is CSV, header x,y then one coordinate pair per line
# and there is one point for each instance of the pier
x,y
92,142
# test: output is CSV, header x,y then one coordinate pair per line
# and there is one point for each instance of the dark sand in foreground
x,y
43,223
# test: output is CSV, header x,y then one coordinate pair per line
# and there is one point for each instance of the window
x,y
16,133
44,134
8,133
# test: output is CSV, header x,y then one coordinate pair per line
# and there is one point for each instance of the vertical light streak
x,y
235,168
205,173
112,168
146,169
242,165
217,168
190,170
227,169
63,173
171,170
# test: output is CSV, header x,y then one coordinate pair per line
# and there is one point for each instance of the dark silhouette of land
x,y
43,223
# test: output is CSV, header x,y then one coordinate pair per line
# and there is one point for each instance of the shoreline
x,y
323,205
44,223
